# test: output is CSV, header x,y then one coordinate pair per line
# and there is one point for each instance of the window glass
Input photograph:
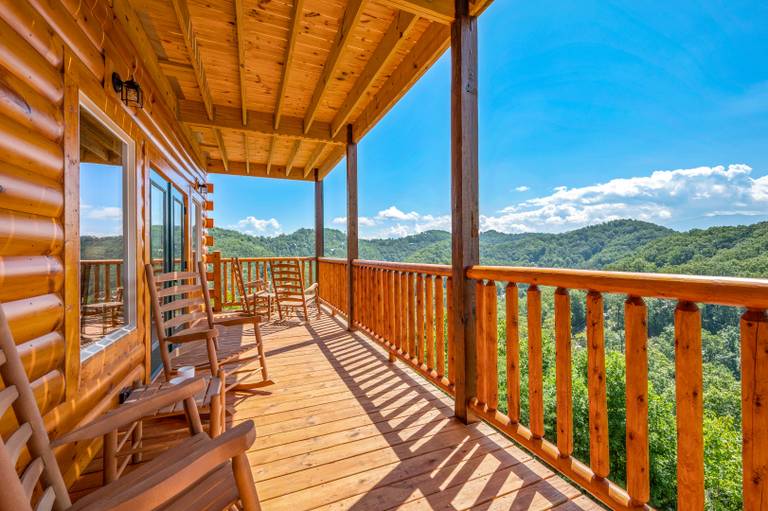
x,y
103,229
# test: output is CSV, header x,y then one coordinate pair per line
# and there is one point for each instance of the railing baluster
x,y
535,363
598,402
690,406
636,332
513,352
107,282
449,323
439,327
563,372
420,318
405,314
398,311
482,396
429,303
754,396
411,318
491,346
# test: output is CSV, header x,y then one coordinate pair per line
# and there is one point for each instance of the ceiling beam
x,y
247,149
240,33
238,168
193,51
348,22
333,158
174,68
193,113
432,44
397,32
222,148
298,7
292,156
271,154
313,158
441,11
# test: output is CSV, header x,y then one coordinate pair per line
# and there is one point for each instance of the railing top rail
x,y
272,258
739,292
101,261
332,260
442,270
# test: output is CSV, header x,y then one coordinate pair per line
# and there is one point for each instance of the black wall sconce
x,y
130,91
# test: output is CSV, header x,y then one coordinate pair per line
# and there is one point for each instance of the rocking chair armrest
x,y
311,289
131,412
194,335
167,481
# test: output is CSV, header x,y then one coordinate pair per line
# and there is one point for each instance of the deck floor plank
x,y
344,429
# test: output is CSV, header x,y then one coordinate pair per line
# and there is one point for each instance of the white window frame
x,y
129,233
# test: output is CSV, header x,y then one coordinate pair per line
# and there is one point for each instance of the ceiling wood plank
x,y
298,7
222,148
238,168
432,44
313,158
441,11
173,68
193,113
240,29
348,22
292,157
193,51
397,32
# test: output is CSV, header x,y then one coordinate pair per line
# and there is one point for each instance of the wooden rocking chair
x,y
183,315
288,285
255,296
199,473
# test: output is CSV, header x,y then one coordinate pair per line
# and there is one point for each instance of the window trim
x,y
130,207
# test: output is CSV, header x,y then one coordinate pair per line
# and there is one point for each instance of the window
x,y
196,234
107,246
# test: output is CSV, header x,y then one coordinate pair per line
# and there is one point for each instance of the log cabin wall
x,y
51,53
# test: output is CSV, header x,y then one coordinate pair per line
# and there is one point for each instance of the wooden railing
x,y
221,275
404,307
333,282
99,279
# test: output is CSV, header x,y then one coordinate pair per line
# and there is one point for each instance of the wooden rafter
x,y
193,50
222,148
397,32
271,153
348,22
441,11
298,6
225,118
240,29
238,168
313,159
333,158
292,157
247,149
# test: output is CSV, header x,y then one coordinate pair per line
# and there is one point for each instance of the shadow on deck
x,y
342,428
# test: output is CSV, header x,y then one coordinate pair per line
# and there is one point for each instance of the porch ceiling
x,y
267,87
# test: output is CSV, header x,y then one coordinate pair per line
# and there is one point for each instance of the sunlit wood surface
x,y
342,428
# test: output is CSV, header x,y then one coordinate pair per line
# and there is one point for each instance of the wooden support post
x,y
464,202
319,227
215,259
351,223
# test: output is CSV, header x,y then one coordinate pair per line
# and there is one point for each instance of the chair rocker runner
x,y
182,478
288,284
183,315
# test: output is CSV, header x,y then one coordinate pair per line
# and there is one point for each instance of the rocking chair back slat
x,y
31,434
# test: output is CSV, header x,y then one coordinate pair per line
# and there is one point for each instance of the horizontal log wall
x,y
50,51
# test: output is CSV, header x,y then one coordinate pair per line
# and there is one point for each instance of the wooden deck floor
x,y
344,429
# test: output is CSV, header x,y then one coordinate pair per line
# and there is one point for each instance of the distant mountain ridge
x,y
630,245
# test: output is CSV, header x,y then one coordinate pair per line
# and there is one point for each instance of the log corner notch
x,y
352,232
465,249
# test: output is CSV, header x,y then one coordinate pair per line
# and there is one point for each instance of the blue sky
x,y
589,111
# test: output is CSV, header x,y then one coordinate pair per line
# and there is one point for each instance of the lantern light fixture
x,y
130,91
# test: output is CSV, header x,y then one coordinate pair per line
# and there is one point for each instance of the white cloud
x,y
258,227
665,196
102,213
392,213
522,188
362,220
